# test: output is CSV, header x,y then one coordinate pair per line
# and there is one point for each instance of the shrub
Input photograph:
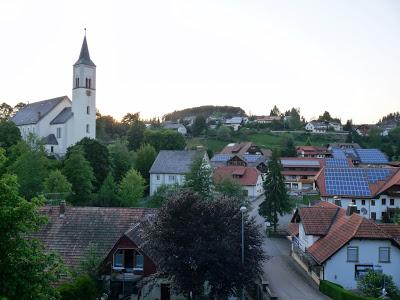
x,y
371,285
337,292
81,288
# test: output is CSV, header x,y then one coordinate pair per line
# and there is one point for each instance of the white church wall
x,y
44,127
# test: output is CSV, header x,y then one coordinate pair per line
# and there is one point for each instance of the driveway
x,y
286,278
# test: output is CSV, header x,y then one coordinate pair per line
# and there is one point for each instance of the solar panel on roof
x,y
221,157
346,181
338,153
251,157
378,174
336,162
300,162
372,156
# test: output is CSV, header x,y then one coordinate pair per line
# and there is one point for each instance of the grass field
x,y
265,139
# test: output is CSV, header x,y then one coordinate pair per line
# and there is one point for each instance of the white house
x,y
321,127
61,122
176,126
339,245
375,192
171,167
235,122
248,177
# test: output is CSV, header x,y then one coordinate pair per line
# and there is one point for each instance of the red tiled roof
x,y
246,175
337,229
293,229
312,149
81,226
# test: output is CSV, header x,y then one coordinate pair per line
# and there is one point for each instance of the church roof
x,y
84,57
63,116
34,112
50,140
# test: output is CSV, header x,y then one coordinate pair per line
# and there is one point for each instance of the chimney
x,y
351,209
62,209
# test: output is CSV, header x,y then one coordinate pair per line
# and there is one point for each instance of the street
x,y
286,279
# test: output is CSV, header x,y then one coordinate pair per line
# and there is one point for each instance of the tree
x,y
308,142
372,283
164,139
349,138
56,186
80,174
224,133
5,111
26,270
294,119
135,135
9,134
144,160
108,193
98,157
200,178
18,107
131,188
82,287
231,189
31,169
3,160
348,126
187,227
276,197
122,160
275,111
288,147
130,119
199,125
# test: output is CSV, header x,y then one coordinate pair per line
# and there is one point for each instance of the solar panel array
x,y
336,162
338,153
378,174
346,181
300,162
350,152
252,157
372,156
221,157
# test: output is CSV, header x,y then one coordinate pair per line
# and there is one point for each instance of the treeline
x,y
205,111
91,173
390,118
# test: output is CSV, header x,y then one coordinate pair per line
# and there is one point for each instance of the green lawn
x,y
265,139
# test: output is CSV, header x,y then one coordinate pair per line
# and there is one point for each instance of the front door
x,y
165,292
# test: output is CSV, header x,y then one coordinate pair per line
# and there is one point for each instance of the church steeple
x,y
84,57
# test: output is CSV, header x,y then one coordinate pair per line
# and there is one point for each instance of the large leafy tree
x,y
200,179
98,157
5,111
195,241
135,135
231,189
288,147
276,200
164,139
199,125
80,174
9,134
122,160
275,111
26,271
131,188
144,160
108,193
31,168
56,186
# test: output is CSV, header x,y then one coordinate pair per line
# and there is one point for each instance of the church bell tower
x,y
84,96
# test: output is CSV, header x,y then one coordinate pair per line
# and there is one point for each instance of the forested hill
x,y
206,111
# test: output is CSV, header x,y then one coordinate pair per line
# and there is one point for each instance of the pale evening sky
x,y
158,56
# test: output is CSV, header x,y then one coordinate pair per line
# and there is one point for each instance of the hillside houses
x,y
322,127
339,245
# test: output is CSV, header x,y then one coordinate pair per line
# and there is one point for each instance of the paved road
x,y
286,279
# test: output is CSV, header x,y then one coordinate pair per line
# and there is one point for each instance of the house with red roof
x,y
248,177
374,191
339,245
312,151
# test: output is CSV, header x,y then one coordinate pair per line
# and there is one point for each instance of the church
x,y
60,122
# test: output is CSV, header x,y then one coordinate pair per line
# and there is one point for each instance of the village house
x,y
322,127
312,151
337,244
375,192
235,122
60,122
171,167
176,126
361,157
115,235
267,119
248,177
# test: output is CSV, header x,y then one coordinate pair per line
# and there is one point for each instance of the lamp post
x,y
243,210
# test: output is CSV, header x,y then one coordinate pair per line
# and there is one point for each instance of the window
x,y
119,258
372,202
353,201
362,270
77,82
383,201
373,215
52,149
90,83
158,177
391,201
139,261
338,202
171,178
352,254
88,110
384,254
87,128
362,202
59,133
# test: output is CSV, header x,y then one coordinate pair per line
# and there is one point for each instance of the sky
x,y
156,56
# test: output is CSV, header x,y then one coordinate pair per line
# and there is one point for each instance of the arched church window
x,y
90,83
87,128
88,110
87,83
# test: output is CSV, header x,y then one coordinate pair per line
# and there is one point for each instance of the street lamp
x,y
243,210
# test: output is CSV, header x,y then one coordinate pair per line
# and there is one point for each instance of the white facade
x,y
337,269
254,191
157,180
369,208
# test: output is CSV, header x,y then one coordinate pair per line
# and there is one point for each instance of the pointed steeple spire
x,y
84,57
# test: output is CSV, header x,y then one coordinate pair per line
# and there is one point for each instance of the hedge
x,y
337,292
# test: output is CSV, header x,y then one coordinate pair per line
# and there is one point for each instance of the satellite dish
x,y
364,211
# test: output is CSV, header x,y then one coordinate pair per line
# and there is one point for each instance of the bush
x,y
81,288
371,285
337,292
